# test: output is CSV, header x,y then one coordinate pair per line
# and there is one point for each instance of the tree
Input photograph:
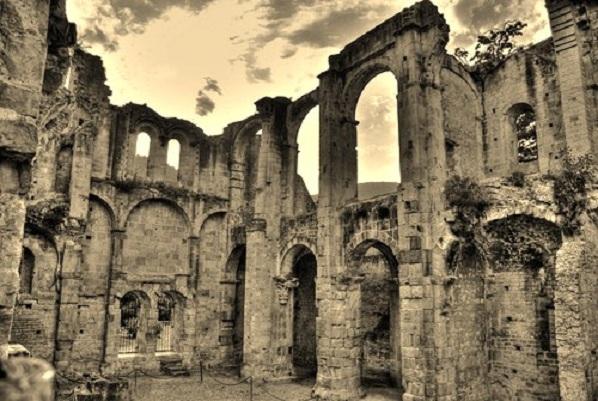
x,y
492,48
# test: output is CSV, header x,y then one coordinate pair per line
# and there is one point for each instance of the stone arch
x,y
359,244
170,306
165,201
299,269
243,164
522,130
379,311
360,78
34,320
353,94
157,239
133,312
297,246
522,256
233,307
146,166
243,138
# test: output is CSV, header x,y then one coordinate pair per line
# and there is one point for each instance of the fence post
x,y
250,388
201,371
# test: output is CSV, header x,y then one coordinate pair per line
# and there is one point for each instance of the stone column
x,y
572,347
263,235
112,321
258,301
339,335
574,26
12,221
70,273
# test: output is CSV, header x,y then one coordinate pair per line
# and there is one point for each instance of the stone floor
x,y
214,389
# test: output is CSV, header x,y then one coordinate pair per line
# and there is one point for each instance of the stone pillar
x,y
339,339
574,26
70,274
12,221
263,236
237,185
112,311
258,301
81,175
572,347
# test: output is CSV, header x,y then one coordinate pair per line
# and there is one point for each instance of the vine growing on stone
x,y
469,203
570,190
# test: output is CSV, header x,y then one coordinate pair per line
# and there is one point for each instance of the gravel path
x,y
190,389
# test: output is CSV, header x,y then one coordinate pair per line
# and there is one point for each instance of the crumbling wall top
x,y
421,16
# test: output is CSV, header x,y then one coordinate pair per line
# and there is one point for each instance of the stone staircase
x,y
173,367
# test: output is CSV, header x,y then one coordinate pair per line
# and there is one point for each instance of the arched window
x,y
173,154
26,271
130,315
378,170
166,322
523,121
143,144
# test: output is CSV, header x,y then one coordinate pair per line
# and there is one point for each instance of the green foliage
x,y
492,48
469,202
570,190
517,179
466,196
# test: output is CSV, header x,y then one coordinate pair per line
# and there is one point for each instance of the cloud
x,y
116,18
204,104
311,23
212,86
95,35
479,16
338,26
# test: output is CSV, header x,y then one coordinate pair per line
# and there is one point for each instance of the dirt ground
x,y
226,389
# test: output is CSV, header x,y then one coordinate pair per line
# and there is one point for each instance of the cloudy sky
x,y
208,61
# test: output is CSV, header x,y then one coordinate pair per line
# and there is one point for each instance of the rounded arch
x,y
360,79
243,138
361,242
236,259
292,254
358,252
157,200
157,239
106,205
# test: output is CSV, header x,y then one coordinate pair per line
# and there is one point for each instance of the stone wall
x,y
265,280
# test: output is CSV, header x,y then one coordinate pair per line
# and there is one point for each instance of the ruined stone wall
x,y
34,323
462,126
528,77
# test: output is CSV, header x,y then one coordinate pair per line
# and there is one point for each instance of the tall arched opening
x,y
234,309
304,271
380,357
308,148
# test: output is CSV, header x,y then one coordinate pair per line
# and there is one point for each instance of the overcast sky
x,y
208,61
